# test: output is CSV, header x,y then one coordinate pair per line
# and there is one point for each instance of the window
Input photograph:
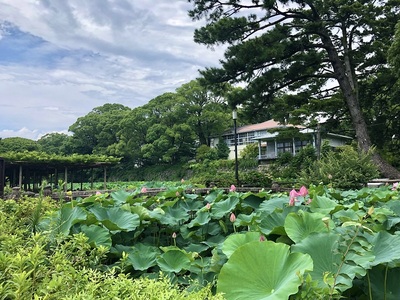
x,y
284,146
242,139
300,144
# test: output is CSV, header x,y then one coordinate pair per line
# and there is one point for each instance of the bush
x,y
222,150
205,152
346,169
31,267
250,151
288,166
256,179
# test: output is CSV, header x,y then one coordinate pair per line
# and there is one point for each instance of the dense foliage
x,y
319,243
51,159
346,168
32,266
299,58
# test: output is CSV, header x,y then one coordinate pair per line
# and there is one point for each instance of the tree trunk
x,y
349,91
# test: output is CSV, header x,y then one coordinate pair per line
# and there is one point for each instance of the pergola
x,y
28,175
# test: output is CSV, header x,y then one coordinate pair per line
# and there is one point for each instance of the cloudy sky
x,y
59,59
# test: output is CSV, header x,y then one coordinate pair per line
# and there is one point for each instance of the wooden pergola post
x,y
65,178
20,177
105,177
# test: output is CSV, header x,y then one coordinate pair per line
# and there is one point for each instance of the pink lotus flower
x,y
208,205
232,188
293,197
303,191
395,186
98,193
182,180
143,190
174,235
262,238
232,218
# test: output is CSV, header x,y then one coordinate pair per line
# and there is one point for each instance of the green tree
x,y
132,136
222,149
394,50
56,143
157,132
18,144
311,50
95,132
204,152
207,112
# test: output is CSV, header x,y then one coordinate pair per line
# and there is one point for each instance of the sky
x,y
59,59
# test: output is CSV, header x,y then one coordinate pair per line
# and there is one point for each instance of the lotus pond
x,y
315,243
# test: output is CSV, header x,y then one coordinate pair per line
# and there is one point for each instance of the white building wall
x,y
232,152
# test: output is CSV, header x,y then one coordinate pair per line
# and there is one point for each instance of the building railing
x,y
267,156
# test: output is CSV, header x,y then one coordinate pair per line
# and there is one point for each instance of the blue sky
x,y
59,59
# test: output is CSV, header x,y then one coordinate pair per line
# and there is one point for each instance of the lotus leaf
x,y
115,218
236,240
202,218
385,248
328,257
322,204
69,216
143,257
221,208
262,271
173,261
299,226
97,235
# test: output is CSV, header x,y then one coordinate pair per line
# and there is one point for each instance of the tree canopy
x,y
298,54
17,144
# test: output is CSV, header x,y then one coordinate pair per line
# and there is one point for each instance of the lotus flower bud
x,y
232,218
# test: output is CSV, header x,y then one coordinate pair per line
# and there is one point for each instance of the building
x,y
270,144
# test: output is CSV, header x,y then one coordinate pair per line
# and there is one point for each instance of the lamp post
x,y
234,117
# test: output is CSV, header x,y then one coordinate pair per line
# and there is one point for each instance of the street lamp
x,y
234,117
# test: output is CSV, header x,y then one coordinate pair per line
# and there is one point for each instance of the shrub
x,y
288,166
346,168
33,268
222,150
256,179
249,152
205,152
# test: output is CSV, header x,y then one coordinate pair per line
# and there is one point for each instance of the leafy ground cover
x,y
315,243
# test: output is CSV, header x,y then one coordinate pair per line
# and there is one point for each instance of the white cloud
x,y
23,132
62,58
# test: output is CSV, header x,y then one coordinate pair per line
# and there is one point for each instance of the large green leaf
x,y
323,204
299,225
173,261
270,205
69,216
262,270
115,218
252,200
386,248
120,197
272,223
143,256
236,240
174,216
97,235
202,218
333,258
221,208
384,283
